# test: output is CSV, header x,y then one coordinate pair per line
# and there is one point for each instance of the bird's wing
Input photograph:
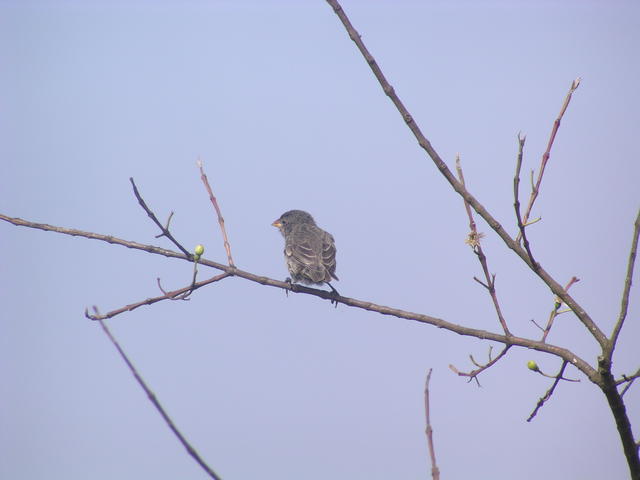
x,y
303,245
329,253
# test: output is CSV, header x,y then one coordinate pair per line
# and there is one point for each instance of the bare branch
x,y
474,241
535,190
556,310
152,216
473,374
152,398
624,303
149,301
628,379
547,395
227,246
553,285
516,194
563,353
435,471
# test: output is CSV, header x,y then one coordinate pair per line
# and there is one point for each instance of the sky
x,y
283,111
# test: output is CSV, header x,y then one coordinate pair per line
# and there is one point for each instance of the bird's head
x,y
293,217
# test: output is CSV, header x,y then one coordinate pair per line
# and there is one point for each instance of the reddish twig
x,y
212,197
152,398
545,157
556,310
435,471
474,242
152,216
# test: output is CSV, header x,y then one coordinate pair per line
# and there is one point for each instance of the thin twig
x,y
545,157
473,374
547,395
516,195
152,398
556,310
474,242
624,303
628,379
149,301
205,180
435,471
561,352
553,285
165,230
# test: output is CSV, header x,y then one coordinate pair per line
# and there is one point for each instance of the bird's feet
x,y
335,293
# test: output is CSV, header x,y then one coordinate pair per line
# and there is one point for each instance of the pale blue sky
x,y
284,112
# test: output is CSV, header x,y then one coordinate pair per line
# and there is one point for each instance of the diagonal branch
x,y
561,352
624,304
535,190
474,242
553,285
150,301
152,216
152,398
547,395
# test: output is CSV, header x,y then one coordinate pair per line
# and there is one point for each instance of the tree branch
x,y
227,245
152,216
535,189
152,398
547,395
150,301
561,352
555,312
473,374
624,303
435,471
516,194
553,285
474,242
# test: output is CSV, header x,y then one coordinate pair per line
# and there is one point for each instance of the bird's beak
x,y
277,223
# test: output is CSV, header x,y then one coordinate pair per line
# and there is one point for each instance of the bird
x,y
309,251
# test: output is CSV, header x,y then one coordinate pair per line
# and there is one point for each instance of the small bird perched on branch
x,y
309,251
